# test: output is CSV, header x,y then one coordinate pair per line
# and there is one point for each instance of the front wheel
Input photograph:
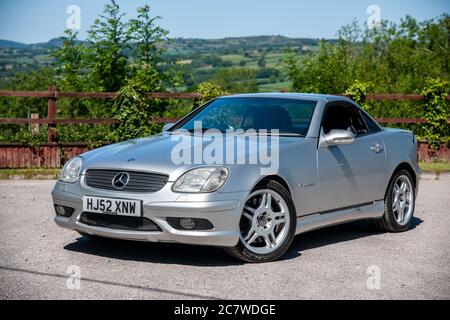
x,y
267,225
399,204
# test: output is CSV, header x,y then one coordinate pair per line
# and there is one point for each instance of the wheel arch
x,y
275,178
403,166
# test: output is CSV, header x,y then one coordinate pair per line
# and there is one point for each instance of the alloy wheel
x,y
265,222
402,200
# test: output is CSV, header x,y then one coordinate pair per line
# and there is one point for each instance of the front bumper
x,y
222,210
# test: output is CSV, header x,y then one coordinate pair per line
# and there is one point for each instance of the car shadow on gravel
x,y
164,253
337,234
204,256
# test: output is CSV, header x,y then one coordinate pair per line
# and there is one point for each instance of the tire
x,y
279,237
391,220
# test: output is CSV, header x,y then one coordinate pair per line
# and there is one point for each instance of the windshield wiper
x,y
268,133
284,134
194,130
290,134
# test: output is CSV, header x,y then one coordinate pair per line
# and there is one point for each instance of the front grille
x,y
139,182
118,222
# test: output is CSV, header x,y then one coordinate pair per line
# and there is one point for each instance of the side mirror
x,y
167,126
339,137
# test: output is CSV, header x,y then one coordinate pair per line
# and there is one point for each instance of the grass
x,y
438,166
234,58
35,173
45,174
271,87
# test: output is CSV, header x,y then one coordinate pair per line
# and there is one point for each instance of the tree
x,y
147,37
70,66
394,58
209,91
69,63
262,60
130,108
236,80
107,40
23,107
330,70
436,128
38,80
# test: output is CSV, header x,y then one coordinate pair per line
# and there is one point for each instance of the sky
x,y
30,21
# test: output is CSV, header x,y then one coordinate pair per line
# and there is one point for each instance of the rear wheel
x,y
267,225
399,204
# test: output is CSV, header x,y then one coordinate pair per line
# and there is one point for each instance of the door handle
x,y
377,148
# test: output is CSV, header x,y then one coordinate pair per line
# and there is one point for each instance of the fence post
x,y
35,126
51,114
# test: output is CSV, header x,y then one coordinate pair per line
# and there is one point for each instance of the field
x,y
201,59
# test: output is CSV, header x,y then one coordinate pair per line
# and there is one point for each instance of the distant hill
x,y
199,57
53,43
232,45
196,44
11,44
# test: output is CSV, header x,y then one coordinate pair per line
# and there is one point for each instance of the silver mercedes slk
x,y
245,172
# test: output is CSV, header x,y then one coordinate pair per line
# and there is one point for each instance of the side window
x,y
373,128
343,117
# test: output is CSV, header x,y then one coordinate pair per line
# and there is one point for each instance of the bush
x,y
237,80
394,58
436,113
131,109
210,91
358,92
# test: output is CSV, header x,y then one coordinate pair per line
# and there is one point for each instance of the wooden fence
x,y
54,154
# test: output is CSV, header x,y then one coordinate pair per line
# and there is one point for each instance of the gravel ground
x,y
331,263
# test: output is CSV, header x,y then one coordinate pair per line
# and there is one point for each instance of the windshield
x,y
288,116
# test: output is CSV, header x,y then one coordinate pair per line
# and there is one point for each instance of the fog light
x,y
188,223
64,211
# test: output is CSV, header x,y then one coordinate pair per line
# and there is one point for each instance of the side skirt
x,y
326,219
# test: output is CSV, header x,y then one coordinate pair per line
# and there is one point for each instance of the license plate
x,y
120,207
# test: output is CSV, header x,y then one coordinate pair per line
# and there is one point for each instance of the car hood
x,y
154,153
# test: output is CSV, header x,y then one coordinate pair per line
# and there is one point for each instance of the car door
x,y
350,174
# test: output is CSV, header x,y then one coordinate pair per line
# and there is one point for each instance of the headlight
x,y
208,179
71,170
